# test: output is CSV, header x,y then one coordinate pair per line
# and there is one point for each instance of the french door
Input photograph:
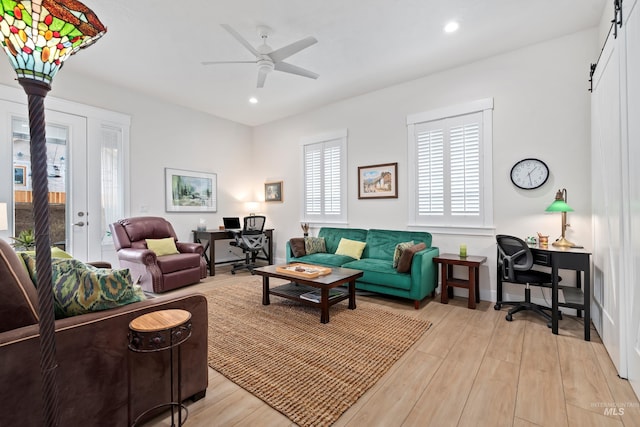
x,y
67,158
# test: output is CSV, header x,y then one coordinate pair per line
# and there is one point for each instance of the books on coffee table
x,y
315,295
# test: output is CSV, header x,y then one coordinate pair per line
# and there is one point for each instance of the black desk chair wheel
x,y
515,262
251,240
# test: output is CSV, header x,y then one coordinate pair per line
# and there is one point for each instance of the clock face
x,y
529,174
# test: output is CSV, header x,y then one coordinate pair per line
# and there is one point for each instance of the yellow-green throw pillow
x,y
352,248
314,245
397,253
80,288
28,259
162,247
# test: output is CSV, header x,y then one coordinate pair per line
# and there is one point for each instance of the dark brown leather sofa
x,y
92,355
156,274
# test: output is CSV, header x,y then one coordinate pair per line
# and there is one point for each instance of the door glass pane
x,y
57,137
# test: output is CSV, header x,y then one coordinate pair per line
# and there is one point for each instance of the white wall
x,y
165,135
541,110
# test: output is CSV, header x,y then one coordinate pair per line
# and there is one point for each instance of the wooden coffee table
x,y
301,285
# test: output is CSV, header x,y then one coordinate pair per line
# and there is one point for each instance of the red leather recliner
x,y
156,274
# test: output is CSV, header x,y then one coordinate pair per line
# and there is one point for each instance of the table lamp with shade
x,y
252,207
560,205
38,36
4,223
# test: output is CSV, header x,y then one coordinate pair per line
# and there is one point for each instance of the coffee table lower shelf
x,y
325,285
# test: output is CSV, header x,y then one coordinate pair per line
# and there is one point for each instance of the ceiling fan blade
x,y
262,76
228,62
241,39
294,69
285,52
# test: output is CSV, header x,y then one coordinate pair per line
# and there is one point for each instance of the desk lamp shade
x,y
38,36
560,205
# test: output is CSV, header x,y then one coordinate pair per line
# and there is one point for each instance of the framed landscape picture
x,y
20,175
188,191
378,181
273,191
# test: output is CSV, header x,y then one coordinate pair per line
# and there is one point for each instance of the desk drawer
x,y
542,258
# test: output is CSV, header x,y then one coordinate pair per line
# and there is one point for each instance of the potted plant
x,y
25,241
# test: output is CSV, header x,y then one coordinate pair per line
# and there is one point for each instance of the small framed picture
x,y
20,175
273,191
378,181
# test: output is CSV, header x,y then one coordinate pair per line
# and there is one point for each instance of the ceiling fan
x,y
269,59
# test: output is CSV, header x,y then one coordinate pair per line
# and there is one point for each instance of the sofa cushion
x,y
332,237
18,297
297,246
79,288
380,272
314,245
351,248
326,259
397,253
162,247
382,243
404,264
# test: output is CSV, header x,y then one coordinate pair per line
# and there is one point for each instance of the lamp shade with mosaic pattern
x,y
38,36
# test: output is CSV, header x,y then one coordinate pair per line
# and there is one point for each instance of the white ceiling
x,y
156,46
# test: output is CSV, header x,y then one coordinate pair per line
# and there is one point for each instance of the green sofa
x,y
377,261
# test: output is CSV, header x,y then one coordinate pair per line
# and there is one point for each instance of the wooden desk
x,y
212,235
577,297
447,261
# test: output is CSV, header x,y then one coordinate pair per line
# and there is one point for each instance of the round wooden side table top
x,y
160,320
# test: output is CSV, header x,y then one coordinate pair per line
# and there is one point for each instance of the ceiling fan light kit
x,y
269,59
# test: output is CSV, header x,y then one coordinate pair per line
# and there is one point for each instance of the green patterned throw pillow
x,y
314,245
400,248
80,288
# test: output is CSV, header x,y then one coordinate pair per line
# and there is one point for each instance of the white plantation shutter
x,y
430,160
450,167
324,178
464,144
332,184
313,179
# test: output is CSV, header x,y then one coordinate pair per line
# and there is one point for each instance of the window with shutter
x,y
324,163
450,162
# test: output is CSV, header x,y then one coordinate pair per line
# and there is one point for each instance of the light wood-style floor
x,y
471,368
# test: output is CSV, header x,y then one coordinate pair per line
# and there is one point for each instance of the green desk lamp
x,y
560,205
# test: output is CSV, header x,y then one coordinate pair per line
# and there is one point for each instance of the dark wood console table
x,y
210,246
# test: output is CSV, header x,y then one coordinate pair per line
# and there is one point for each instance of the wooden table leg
x,y
265,290
472,288
352,295
324,305
477,272
212,257
444,293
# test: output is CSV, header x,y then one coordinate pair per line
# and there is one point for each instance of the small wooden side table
x,y
447,261
157,331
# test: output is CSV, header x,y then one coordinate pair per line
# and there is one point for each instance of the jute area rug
x,y
281,353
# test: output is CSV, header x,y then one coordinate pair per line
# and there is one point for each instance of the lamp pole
x,y
36,92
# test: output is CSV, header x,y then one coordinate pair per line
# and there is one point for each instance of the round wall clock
x,y
529,174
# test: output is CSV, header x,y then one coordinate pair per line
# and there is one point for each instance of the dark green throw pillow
x,y
80,288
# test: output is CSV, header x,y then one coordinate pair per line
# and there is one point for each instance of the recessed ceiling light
x,y
253,100
451,27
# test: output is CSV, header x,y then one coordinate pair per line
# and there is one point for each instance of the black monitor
x,y
231,223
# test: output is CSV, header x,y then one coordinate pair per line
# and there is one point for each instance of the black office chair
x,y
515,262
251,239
